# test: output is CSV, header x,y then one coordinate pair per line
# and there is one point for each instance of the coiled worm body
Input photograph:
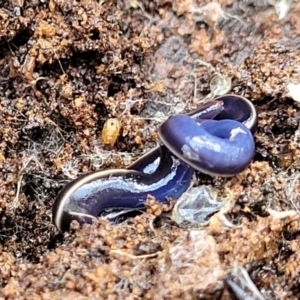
x,y
223,146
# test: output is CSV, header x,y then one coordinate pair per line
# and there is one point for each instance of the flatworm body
x,y
215,139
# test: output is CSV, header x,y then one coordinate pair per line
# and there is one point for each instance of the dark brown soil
x,y
67,66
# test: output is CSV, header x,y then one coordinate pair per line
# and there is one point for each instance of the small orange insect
x,y
110,131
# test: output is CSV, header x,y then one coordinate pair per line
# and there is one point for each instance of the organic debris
x,y
67,67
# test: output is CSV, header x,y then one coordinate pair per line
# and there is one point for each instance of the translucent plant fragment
x,y
190,268
241,285
197,205
220,85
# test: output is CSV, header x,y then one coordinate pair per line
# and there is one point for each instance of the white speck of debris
x,y
294,91
282,7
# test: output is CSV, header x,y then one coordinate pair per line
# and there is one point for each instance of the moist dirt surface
x,y
84,86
